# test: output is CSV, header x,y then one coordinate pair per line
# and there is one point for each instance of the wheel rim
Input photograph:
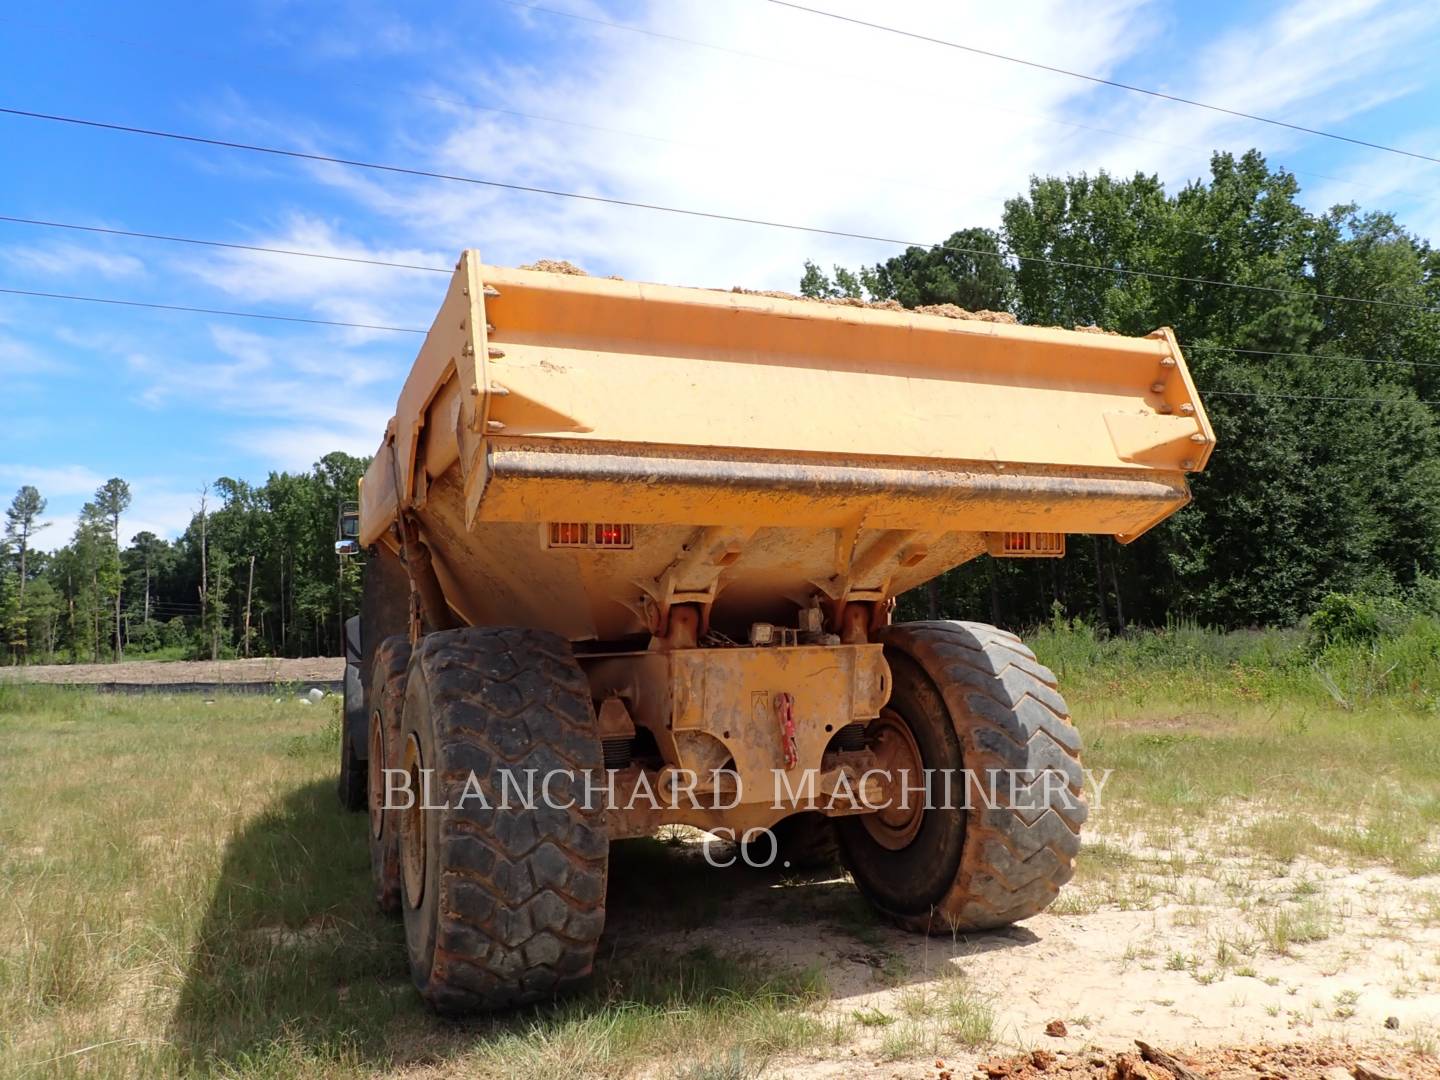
x,y
412,828
376,777
897,754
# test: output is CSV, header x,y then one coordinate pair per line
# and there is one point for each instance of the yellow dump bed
x,y
575,448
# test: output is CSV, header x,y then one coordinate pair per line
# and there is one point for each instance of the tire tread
x,y
522,893
1009,715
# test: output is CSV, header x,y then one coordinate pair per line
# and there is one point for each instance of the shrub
x,y
1343,619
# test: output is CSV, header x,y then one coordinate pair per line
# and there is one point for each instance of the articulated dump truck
x,y
632,554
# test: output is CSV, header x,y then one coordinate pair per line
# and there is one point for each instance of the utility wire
x,y
234,245
209,311
646,32
1104,82
224,244
466,103
1314,397
1192,347
681,211
413,330
168,49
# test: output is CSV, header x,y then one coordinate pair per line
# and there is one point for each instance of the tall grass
x,y
1184,661
181,894
1282,743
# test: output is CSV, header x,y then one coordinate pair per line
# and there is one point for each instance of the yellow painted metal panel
x,y
846,436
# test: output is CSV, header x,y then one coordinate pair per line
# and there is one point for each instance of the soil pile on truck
x,y
641,544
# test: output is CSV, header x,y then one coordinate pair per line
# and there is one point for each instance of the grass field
x,y
181,893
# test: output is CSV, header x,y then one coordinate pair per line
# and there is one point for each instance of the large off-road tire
x,y
351,784
387,705
504,903
353,724
970,697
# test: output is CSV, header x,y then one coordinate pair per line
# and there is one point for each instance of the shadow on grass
x,y
293,966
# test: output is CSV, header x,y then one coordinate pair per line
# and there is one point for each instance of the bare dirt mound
x,y
556,266
953,311
1295,1061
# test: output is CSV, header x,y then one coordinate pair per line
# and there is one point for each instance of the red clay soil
x,y
1297,1061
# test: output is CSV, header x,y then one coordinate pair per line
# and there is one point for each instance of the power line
x,y
209,311
646,32
1105,82
1310,356
237,246
684,212
234,246
1316,397
469,103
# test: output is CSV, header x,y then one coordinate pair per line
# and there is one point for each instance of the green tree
x,y
41,613
1325,473
112,500
967,270
22,521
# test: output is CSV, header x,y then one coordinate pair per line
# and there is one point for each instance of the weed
x,y
871,1018
1288,926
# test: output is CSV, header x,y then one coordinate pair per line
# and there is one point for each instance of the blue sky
x,y
779,115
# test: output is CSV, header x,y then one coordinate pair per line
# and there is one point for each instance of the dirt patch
x,y
1328,965
161,672
1297,1061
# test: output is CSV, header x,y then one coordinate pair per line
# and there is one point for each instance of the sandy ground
x,y
1191,967
158,672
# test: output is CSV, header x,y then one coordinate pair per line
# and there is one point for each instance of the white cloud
x,y
158,508
844,127
332,289
155,505
811,138
1406,185
1316,64
72,260
53,480
19,359
306,396
297,447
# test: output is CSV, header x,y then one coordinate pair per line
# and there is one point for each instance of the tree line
x,y
254,573
1326,477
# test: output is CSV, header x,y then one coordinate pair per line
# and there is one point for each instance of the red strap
x,y
785,714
